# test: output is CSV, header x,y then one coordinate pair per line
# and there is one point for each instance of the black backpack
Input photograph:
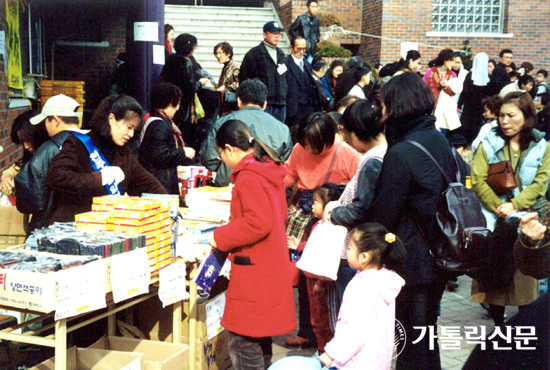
x,y
465,247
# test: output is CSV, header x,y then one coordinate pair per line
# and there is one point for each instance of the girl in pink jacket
x,y
364,336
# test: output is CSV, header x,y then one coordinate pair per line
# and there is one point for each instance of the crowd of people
x,y
330,142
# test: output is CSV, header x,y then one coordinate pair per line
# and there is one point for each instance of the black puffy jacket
x,y
31,192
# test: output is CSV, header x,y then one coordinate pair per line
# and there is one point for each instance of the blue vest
x,y
528,164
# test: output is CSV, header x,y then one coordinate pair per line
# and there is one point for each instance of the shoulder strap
x,y
419,146
98,161
333,161
149,120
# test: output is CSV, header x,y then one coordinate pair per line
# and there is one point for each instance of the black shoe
x,y
452,285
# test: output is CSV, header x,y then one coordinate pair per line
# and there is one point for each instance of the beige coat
x,y
522,291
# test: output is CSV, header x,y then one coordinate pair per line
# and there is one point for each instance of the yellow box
x,y
138,204
95,217
123,213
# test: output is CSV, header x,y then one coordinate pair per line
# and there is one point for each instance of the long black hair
x,y
237,134
388,250
23,131
364,118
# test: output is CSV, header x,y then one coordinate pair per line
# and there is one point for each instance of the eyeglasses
x,y
300,49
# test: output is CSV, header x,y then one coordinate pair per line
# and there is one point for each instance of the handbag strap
x,y
333,161
440,169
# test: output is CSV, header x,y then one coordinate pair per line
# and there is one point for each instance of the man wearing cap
x,y
266,62
31,192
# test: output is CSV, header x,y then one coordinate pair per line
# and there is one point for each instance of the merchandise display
x,y
40,262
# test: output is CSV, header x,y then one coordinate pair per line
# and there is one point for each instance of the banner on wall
x,y
15,78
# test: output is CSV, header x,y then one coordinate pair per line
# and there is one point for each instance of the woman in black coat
x,y
179,70
405,202
161,152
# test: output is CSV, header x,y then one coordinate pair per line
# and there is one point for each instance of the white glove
x,y
111,174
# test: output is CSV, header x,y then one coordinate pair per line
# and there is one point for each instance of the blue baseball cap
x,y
273,26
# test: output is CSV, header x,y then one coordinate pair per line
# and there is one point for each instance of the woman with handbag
x,y
317,158
510,175
229,78
364,127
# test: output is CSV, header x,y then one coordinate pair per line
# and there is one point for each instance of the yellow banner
x,y
15,78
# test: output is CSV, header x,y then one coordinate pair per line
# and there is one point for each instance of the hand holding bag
x,y
501,177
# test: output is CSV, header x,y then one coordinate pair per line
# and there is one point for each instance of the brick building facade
x,y
347,11
525,30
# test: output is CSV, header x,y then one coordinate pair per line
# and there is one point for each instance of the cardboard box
x,y
11,227
157,355
96,359
156,323
210,354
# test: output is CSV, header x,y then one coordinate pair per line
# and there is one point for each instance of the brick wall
x,y
347,11
372,25
410,20
11,151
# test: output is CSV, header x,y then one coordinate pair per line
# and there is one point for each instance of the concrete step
x,y
241,27
175,9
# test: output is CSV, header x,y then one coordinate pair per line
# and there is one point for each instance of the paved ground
x,y
456,310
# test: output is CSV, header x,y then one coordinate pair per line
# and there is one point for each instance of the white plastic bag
x,y
321,256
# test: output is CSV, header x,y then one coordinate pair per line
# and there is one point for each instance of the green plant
x,y
328,19
328,49
467,53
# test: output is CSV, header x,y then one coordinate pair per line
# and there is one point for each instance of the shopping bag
x,y
199,110
298,223
321,256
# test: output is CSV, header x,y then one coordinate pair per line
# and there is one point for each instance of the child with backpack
x,y
364,336
321,294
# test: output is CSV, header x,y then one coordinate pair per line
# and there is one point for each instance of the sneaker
x,y
295,342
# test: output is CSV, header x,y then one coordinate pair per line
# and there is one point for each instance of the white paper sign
x,y
146,31
406,47
158,54
80,290
214,314
130,274
172,284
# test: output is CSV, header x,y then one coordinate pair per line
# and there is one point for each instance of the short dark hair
x,y
226,48
443,56
165,94
185,43
23,131
312,1
320,65
355,62
364,118
458,54
412,55
167,28
543,72
493,103
294,38
407,96
528,66
346,101
525,79
360,72
252,91
318,130
121,106
513,74
522,100
68,120
336,63
328,192
505,51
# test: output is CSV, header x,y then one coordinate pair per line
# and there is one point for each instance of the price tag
x,y
130,274
80,289
172,284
